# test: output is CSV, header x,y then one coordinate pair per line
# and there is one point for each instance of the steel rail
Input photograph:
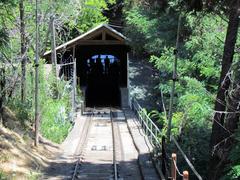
x,y
81,151
120,143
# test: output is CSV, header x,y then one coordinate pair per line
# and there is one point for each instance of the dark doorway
x,y
103,89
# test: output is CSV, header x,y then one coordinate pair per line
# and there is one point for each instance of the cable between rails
x,y
114,148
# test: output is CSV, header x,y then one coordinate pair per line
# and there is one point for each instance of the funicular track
x,y
116,139
100,151
82,144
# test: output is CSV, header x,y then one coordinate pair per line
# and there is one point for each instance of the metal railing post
x,y
82,108
164,158
185,175
146,124
173,167
151,132
156,132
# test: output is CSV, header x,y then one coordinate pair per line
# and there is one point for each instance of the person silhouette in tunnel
x,y
99,65
91,65
114,71
107,64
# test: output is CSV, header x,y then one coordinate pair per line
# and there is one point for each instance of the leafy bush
x,y
54,110
233,170
153,30
55,124
3,176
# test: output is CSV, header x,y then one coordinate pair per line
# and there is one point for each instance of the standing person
x,y
114,70
107,65
99,65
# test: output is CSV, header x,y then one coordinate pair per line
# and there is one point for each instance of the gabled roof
x,y
90,34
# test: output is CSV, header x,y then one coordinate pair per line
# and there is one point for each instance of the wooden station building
x,y
101,56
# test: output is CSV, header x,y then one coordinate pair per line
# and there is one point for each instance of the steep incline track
x,y
102,154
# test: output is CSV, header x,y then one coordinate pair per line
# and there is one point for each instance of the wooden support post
x,y
173,167
82,107
74,85
128,86
53,48
185,175
174,78
74,73
164,157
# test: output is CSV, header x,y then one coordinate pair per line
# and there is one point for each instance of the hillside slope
x,y
19,159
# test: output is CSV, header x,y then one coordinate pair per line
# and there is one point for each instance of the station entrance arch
x,y
102,84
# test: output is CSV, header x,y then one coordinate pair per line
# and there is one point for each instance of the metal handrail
x,y
152,132
148,124
136,107
149,119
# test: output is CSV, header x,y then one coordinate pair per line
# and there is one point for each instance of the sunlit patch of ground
x,y
19,159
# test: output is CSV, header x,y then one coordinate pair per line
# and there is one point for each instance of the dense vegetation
x,y
17,54
206,100
201,44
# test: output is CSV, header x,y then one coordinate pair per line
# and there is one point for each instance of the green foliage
x,y
3,176
55,111
152,30
23,114
3,37
200,51
233,171
34,175
55,123
195,102
160,119
91,14
23,110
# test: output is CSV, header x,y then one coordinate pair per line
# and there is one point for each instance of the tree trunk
x,y
3,92
23,50
53,44
218,132
232,119
54,58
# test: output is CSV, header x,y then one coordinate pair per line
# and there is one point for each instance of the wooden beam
x,y
115,35
93,34
88,42
104,35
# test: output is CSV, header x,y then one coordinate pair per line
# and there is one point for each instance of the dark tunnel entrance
x,y
103,89
102,83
